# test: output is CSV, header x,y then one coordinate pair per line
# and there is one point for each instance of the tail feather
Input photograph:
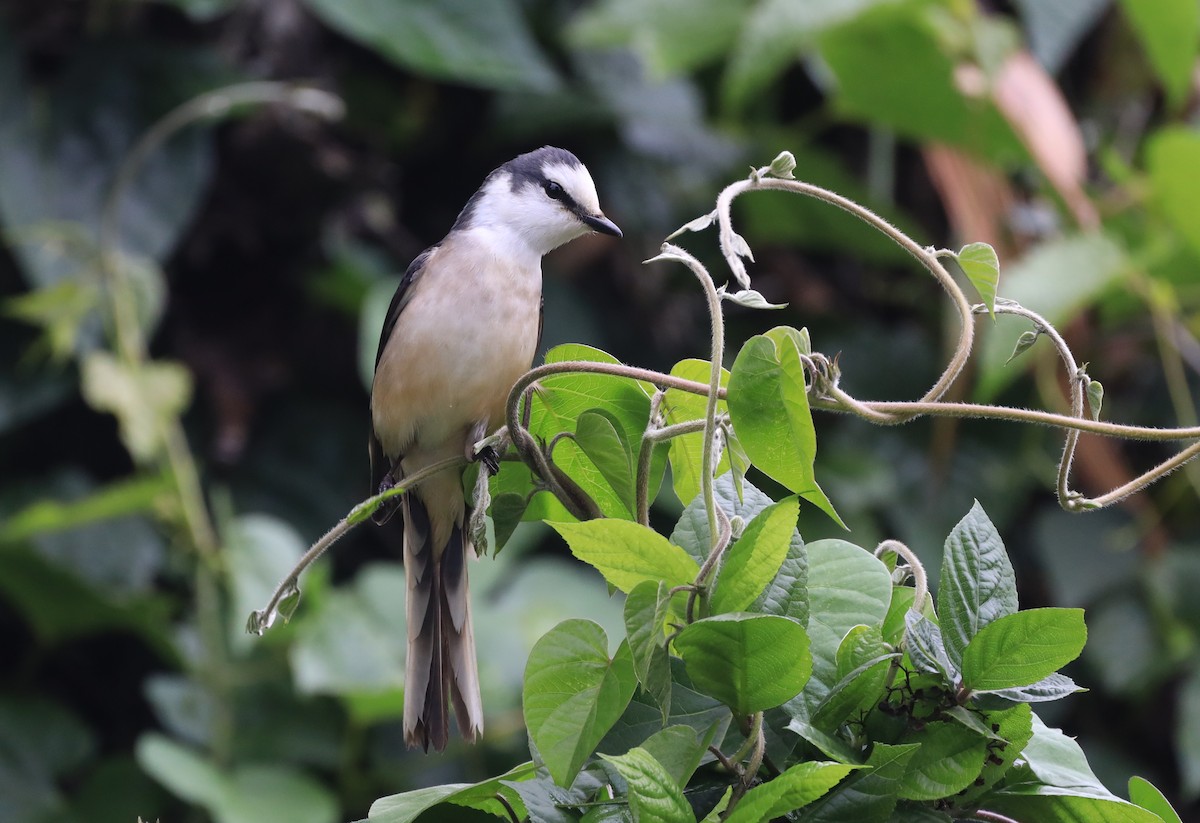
x,y
440,664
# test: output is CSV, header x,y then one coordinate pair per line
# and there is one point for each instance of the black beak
x,y
600,223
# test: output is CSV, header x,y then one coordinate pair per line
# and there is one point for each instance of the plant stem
x,y
263,618
920,581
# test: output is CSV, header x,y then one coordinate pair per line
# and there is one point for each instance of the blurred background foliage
x,y
182,393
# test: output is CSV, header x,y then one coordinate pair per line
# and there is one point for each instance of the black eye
x,y
554,191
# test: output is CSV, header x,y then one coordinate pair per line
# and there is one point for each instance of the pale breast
x,y
468,332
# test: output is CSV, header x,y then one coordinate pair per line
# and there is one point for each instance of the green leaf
x,y
645,617
556,406
847,587
244,795
862,665
977,583
982,267
748,662
506,511
145,399
597,433
795,788
352,644
1021,649
679,750
260,550
574,694
1173,160
1051,687
948,761
1047,804
118,499
755,558
1014,726
1024,343
769,409
1057,760
408,806
671,36
923,642
642,720
447,40
870,796
1169,31
892,69
1095,261
775,34
787,594
1143,793
1095,398
653,795
682,407
628,553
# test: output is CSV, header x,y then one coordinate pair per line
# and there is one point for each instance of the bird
x,y
462,327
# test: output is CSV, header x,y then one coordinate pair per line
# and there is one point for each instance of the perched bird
x,y
464,324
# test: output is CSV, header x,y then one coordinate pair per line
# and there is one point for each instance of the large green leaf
x,y
574,694
787,594
948,761
748,662
628,553
769,409
863,660
1050,805
406,807
870,796
755,558
892,69
847,587
1020,649
1170,33
977,584
1145,794
247,794
791,790
352,643
775,33
1173,160
447,39
653,794
671,36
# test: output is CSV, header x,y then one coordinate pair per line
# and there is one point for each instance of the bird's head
x,y
546,197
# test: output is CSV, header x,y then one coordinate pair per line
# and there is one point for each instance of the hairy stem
x,y
263,618
920,581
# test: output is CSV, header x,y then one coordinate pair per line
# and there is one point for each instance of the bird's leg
x,y
486,455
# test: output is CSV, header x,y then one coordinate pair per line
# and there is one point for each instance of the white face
x,y
542,221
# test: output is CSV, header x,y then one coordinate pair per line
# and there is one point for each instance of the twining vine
x,y
822,384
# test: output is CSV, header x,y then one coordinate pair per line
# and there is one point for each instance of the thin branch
x,y
262,619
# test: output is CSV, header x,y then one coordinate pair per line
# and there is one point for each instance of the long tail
x,y
440,665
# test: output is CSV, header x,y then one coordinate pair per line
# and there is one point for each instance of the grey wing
x,y
380,465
